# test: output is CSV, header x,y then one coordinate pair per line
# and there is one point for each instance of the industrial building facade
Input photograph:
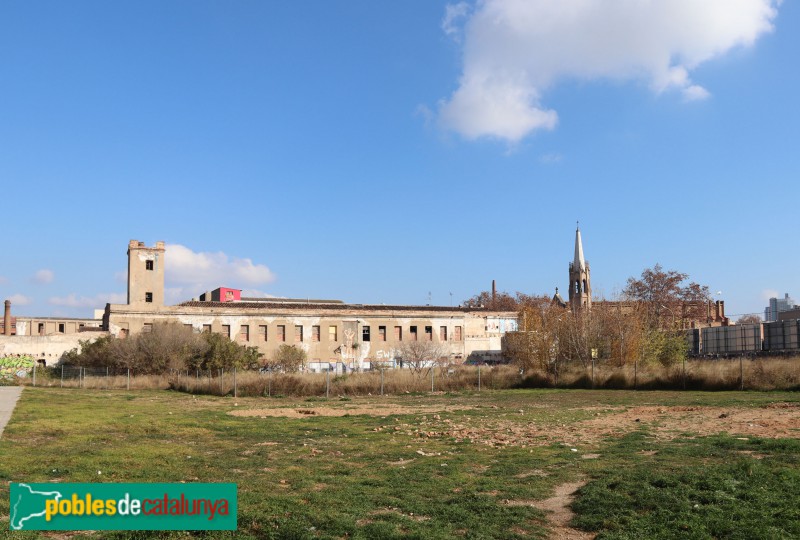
x,y
331,333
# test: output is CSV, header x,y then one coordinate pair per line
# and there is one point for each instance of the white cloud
x,y
205,271
19,300
452,17
97,301
43,276
515,50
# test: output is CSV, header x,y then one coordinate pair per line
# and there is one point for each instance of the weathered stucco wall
x,y
47,348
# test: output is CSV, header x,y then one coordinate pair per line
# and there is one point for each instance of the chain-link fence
x,y
744,373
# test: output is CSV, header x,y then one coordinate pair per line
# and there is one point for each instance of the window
x,y
457,333
244,332
315,333
365,333
189,327
332,334
148,297
382,333
262,332
147,328
226,330
148,265
281,332
398,333
442,333
123,333
41,329
429,333
61,327
298,334
413,331
206,328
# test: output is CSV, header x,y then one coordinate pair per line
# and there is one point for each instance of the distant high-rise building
x,y
776,305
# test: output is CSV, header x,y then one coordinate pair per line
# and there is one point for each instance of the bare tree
x,y
666,299
749,319
421,356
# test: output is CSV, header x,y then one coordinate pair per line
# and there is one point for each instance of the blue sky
x,y
377,152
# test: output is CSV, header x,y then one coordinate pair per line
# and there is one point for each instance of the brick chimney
x,y
7,319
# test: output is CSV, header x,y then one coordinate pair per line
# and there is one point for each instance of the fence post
x,y
381,381
108,384
327,383
635,373
741,373
235,391
34,374
62,375
270,383
479,378
592,373
129,379
684,372
81,377
221,381
431,379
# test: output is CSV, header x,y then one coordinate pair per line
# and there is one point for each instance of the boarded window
x,y
206,328
262,332
147,328
365,333
281,332
226,330
298,334
429,333
442,333
398,333
413,331
148,265
457,334
333,334
382,333
315,333
244,332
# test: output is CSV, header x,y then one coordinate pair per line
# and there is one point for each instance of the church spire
x,y
578,261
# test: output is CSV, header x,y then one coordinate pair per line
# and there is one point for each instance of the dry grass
x,y
698,374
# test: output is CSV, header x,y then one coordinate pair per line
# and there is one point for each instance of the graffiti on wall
x,y
16,366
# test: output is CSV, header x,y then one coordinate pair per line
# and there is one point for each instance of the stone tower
x,y
145,274
580,280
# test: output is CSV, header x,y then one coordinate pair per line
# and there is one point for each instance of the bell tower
x,y
580,280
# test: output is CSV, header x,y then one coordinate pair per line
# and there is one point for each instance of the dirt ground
x,y
664,422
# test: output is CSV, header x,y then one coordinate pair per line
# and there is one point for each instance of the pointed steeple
x,y
578,262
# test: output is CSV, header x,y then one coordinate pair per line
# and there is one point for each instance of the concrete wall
x,y
309,327
47,348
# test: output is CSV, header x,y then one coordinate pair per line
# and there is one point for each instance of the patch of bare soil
x,y
351,410
559,513
774,421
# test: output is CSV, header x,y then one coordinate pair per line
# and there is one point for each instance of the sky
x,y
397,152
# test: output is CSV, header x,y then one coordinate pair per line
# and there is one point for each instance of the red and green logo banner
x,y
122,507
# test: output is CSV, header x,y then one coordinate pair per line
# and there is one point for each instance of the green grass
x,y
358,477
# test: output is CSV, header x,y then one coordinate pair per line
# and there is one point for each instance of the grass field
x,y
499,464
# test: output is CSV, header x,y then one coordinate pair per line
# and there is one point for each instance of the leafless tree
x,y
421,356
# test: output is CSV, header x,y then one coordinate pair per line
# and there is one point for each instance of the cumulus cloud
x,y
453,15
43,277
206,270
20,300
515,50
99,300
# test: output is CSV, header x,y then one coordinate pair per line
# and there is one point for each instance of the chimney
x,y
7,319
494,294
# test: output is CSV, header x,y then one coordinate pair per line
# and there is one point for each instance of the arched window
x,y
585,288
577,287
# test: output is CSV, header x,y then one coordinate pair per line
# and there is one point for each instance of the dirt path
x,y
8,400
559,513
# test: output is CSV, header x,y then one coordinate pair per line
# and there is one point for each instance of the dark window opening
x,y
413,331
382,333
148,265
148,297
365,333
429,333
60,328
